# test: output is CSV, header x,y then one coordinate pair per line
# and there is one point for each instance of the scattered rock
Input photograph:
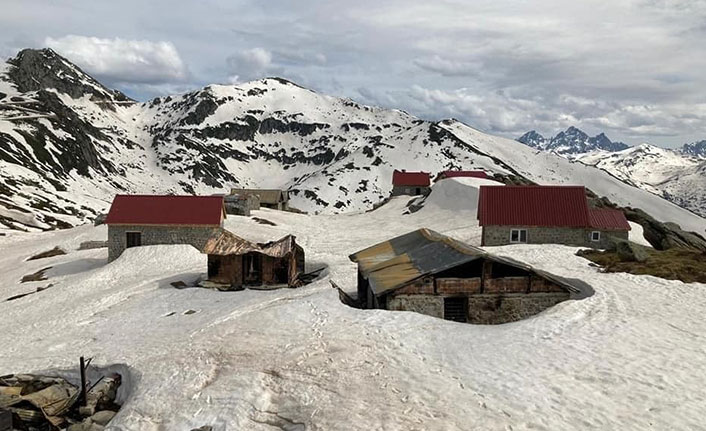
x,y
178,284
100,219
56,251
37,276
103,417
22,295
630,252
203,428
187,312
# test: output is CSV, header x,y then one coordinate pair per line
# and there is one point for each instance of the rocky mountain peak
x,y
695,149
41,69
533,139
571,141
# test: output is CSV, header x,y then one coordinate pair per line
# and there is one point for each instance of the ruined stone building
x,y
430,273
241,204
236,262
135,220
546,215
410,183
461,174
268,198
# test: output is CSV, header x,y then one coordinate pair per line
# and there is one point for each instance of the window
x,y
518,235
133,239
595,236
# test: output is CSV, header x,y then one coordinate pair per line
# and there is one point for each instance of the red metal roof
x,y
550,206
463,174
608,219
166,210
417,179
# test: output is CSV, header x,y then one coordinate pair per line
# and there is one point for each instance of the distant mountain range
x,y
575,141
68,144
678,175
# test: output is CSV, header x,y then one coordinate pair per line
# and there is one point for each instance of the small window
x,y
518,235
595,236
133,239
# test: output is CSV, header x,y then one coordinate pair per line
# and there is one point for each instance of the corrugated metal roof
x,y
547,206
417,179
223,242
166,210
461,174
608,219
267,196
392,264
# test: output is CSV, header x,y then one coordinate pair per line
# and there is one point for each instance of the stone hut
x,y
461,174
410,183
276,199
241,204
135,220
236,262
430,273
546,215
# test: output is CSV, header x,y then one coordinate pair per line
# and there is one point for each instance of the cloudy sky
x,y
635,69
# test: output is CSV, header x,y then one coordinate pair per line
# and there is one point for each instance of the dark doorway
x,y
133,239
456,309
252,269
281,271
214,266
418,191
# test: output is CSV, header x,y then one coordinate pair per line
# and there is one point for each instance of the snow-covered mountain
x,y
571,141
68,145
695,149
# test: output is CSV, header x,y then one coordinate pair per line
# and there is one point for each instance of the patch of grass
x,y
37,276
682,264
56,251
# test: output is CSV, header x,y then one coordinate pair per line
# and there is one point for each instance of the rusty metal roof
x,y
417,179
223,242
608,219
166,210
392,264
546,206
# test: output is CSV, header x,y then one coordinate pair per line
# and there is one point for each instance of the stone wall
x,y
155,235
431,305
496,309
580,237
409,190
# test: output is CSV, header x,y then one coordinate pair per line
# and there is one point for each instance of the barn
x,y
461,174
433,274
236,262
135,220
546,215
410,183
276,199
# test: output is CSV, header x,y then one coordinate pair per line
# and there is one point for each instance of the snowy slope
x,y
629,357
679,178
334,155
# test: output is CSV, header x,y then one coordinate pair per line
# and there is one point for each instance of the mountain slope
x,y
62,164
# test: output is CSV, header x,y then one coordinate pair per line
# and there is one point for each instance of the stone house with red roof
x,y
410,183
546,215
135,220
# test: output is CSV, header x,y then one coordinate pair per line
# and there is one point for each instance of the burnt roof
x,y
166,210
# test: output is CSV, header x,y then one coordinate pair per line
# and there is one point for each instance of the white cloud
x,y
250,64
123,61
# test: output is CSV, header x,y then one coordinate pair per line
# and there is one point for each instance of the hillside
x,y
62,163
296,359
